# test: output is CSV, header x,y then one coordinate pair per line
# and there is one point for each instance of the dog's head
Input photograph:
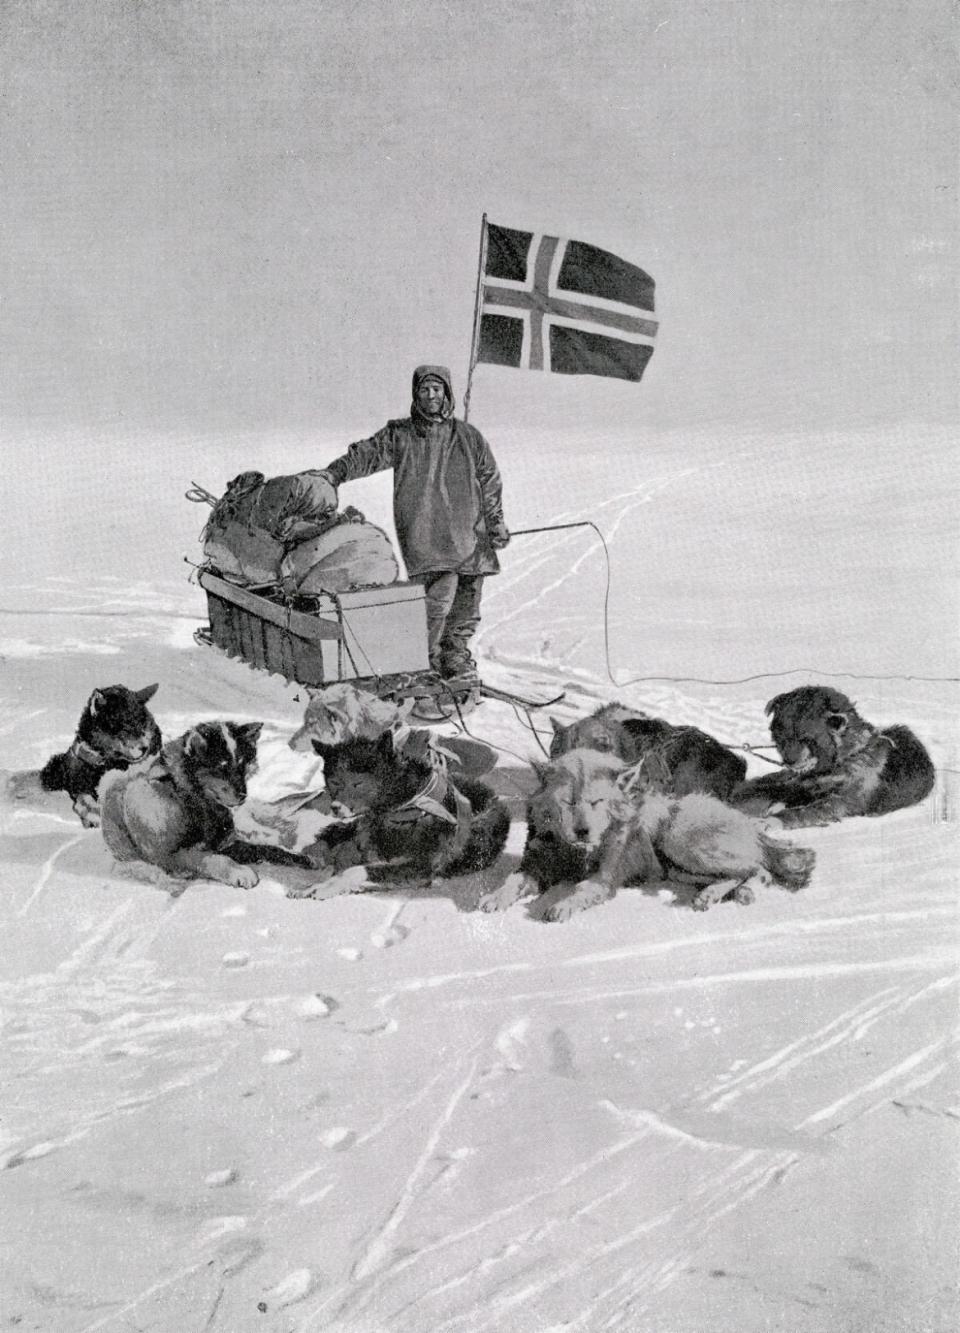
x,y
118,724
579,798
609,731
342,713
220,756
815,728
361,774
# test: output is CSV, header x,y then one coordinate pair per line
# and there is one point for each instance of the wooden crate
x,y
384,632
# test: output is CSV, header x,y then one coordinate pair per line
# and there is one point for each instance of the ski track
x,y
396,1113
378,1247
640,496
46,870
693,941
719,1193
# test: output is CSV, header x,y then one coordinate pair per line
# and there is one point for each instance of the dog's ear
x,y
96,702
195,743
775,704
248,731
542,770
147,692
323,750
385,743
558,727
837,722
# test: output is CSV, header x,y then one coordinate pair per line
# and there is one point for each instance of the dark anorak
x,y
447,494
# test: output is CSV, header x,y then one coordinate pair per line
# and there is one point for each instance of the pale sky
x,y
245,215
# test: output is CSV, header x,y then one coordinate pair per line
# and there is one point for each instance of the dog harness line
x,y
429,801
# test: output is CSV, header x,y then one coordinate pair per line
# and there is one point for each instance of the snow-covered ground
x,y
231,1111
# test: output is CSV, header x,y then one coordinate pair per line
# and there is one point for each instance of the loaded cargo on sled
x,y
314,595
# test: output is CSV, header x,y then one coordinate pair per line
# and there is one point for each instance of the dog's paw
x,y
87,809
242,877
355,879
561,911
513,888
587,894
744,895
716,892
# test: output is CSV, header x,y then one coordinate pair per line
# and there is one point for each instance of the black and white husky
x,y
177,814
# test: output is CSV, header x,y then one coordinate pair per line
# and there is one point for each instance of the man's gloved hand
x,y
499,538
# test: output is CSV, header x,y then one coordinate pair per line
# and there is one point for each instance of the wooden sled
x,y
373,637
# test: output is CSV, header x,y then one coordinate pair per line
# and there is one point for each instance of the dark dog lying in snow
x,y
413,820
115,731
595,825
176,814
838,764
335,719
679,759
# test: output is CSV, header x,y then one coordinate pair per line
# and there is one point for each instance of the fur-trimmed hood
x,y
449,404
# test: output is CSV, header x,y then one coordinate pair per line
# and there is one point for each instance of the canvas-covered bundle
x,y
286,531
350,554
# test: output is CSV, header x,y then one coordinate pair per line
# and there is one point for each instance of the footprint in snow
x,y
29,1154
386,939
561,1054
217,1179
217,1227
317,1006
296,1286
339,1138
255,1016
280,1055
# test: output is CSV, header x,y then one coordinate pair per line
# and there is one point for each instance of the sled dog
x,y
116,730
680,759
838,764
342,713
601,824
177,814
413,820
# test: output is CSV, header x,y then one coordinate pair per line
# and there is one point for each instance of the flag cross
x,y
559,305
538,302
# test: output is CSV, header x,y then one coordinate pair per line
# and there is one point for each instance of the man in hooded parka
x,y
447,509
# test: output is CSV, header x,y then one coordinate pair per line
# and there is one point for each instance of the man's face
x,y
431,396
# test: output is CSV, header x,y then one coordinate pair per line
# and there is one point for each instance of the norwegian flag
x,y
552,304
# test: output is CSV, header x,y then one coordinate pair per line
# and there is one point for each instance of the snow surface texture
x,y
388,1111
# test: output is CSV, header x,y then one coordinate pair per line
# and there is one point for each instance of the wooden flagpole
x,y
475,337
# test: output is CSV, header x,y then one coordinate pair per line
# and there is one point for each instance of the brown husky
x,y
598,823
836,763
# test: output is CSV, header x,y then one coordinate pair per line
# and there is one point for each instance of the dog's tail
x,y
113,824
20,784
789,865
53,775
